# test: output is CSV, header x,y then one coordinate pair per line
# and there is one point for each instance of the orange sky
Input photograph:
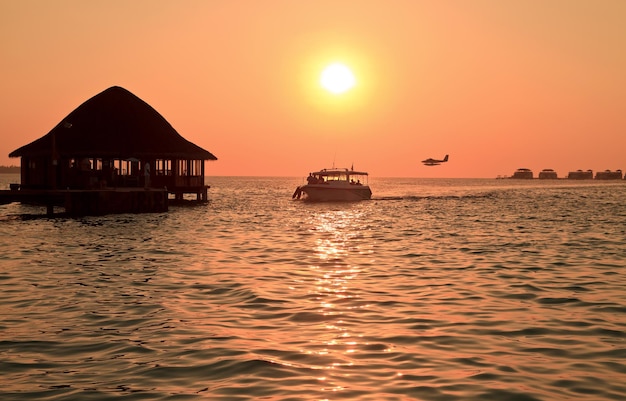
x,y
498,85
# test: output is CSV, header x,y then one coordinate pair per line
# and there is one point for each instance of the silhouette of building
x,y
547,174
580,175
114,139
523,173
609,175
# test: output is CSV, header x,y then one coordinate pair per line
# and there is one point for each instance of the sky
x,y
497,85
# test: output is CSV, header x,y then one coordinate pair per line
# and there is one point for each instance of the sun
x,y
337,78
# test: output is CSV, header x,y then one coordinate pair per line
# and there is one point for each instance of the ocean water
x,y
433,290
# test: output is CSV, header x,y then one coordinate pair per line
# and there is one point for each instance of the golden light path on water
x,y
335,287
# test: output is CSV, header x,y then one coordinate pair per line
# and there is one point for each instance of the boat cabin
x,y
114,140
338,175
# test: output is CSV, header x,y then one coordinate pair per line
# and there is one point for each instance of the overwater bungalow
x,y
609,175
580,175
547,174
523,173
114,140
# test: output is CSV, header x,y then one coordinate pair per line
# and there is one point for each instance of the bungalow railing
x,y
189,181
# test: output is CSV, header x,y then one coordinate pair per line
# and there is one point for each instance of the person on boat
x,y
310,179
146,173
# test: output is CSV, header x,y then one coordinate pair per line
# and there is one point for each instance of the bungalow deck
x,y
90,202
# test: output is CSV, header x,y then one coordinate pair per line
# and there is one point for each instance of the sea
x,y
433,290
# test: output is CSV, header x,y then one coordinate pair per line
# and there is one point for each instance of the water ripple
x,y
459,290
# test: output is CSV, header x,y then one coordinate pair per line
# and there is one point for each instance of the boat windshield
x,y
337,177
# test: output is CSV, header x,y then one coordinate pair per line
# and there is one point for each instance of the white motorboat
x,y
335,184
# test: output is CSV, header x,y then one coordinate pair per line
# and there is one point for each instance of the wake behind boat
x,y
335,184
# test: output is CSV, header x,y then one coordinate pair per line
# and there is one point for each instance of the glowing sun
x,y
337,78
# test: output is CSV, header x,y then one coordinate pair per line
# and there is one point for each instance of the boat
x,y
335,184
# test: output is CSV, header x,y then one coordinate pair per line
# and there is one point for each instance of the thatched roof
x,y
115,124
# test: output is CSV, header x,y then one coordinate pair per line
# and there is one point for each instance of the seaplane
x,y
434,162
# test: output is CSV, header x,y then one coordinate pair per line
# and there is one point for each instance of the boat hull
x,y
329,193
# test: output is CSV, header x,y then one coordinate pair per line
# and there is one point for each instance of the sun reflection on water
x,y
335,269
